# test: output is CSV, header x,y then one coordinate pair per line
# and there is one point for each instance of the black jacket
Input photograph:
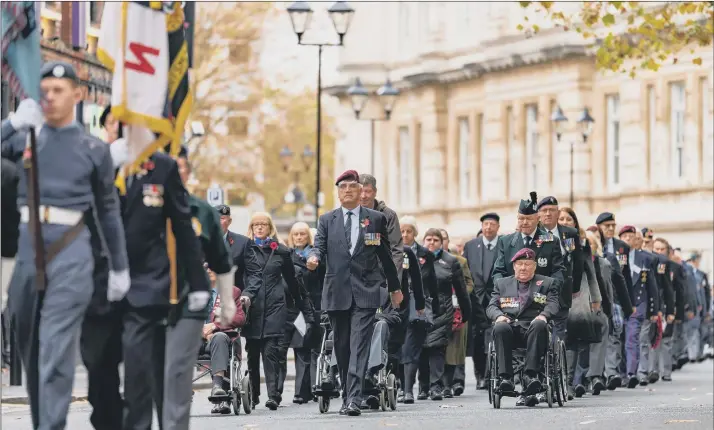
x,y
429,283
664,282
543,299
10,215
622,293
450,280
394,234
238,245
483,280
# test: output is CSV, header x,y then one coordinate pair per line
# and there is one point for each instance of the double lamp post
x,y
585,126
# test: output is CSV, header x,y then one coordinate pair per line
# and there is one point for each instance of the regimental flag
x,y
21,59
179,97
134,45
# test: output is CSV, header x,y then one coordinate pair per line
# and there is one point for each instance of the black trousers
x,y
269,349
480,351
283,347
305,371
431,368
101,348
352,335
506,337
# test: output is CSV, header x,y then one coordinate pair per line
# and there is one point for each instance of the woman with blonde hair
x,y
269,269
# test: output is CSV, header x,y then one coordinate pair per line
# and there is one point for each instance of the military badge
x,y
539,298
508,302
153,195
539,242
365,223
197,228
643,276
405,264
569,244
372,239
661,268
542,262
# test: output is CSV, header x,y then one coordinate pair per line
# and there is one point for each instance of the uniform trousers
x,y
305,371
661,358
101,349
269,349
706,331
50,359
679,344
431,368
411,353
143,341
590,361
634,332
613,354
183,341
507,336
352,334
693,338
643,367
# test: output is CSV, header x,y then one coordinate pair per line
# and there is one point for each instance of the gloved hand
x,y
198,300
29,114
120,152
118,286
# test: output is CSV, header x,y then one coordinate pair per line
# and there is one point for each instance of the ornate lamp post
x,y
585,126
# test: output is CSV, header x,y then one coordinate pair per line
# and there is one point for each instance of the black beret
x,y
58,69
224,210
524,254
347,175
548,201
490,215
604,217
528,207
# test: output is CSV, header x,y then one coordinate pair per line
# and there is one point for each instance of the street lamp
x,y
286,157
585,126
301,17
359,96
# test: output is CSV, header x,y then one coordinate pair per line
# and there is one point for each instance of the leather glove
x,y
198,300
29,114
224,285
120,152
118,286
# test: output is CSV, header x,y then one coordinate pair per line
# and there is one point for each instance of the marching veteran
x,y
520,307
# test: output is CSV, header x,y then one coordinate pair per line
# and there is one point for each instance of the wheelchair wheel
x,y
246,392
323,402
235,402
491,373
563,367
496,401
392,391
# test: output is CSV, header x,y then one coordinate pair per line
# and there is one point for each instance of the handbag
x,y
427,317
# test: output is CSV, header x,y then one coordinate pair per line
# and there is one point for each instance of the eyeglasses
x,y
261,224
346,185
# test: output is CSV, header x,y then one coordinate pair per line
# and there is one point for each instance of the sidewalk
x,y
18,394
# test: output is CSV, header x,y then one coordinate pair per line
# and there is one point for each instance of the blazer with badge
x,y
622,253
482,278
238,245
664,282
644,277
153,197
354,277
543,299
549,258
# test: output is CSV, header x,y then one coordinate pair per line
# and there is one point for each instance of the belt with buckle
x,y
53,215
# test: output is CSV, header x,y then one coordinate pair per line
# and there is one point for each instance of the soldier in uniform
x,y
76,185
645,299
237,244
153,199
606,225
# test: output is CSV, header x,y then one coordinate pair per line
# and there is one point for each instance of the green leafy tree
x,y
637,35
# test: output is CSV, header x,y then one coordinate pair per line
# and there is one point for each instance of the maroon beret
x,y
524,254
627,229
348,175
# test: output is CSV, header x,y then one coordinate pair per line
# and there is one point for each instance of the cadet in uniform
x,y
76,183
152,197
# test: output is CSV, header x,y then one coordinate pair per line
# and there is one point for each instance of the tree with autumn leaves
x,y
246,121
630,36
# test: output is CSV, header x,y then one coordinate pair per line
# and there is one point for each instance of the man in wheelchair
x,y
217,338
520,307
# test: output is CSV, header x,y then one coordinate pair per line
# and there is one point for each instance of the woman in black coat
x,y
450,281
269,269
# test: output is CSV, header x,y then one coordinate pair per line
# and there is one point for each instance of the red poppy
x,y
273,245
365,222
621,250
230,240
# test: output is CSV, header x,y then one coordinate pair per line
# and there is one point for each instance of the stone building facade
x,y
472,133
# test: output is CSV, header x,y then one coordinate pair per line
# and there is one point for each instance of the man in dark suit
x,y
606,225
520,308
237,244
480,253
350,240
152,197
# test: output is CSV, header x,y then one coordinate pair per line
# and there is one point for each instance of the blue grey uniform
x,y
75,173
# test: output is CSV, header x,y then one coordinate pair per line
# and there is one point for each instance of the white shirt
x,y
493,242
354,234
523,237
610,247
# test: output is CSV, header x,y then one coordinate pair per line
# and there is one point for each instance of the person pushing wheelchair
x,y
520,307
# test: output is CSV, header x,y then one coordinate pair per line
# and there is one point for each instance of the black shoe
x,y
272,405
653,377
579,390
447,393
644,382
436,395
372,402
224,408
531,386
423,395
521,401
409,398
458,389
217,391
633,382
400,397
343,410
299,400
597,385
613,382
216,408
666,379
482,384
507,386
571,393
353,410
531,401
682,361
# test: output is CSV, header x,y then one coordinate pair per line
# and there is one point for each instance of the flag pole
x,y
34,206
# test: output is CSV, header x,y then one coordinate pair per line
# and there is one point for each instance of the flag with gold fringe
x,y
180,98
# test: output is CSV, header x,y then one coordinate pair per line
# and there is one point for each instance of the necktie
x,y
488,246
527,240
348,230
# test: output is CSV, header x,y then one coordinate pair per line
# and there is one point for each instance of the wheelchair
x,y
555,371
327,383
241,389
386,387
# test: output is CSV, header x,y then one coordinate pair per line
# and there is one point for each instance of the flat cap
x,y
627,229
548,201
605,217
347,175
490,215
58,69
224,210
529,207
524,254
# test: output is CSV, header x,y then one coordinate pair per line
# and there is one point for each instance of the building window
x,y
481,121
652,129
464,161
406,165
514,171
676,127
613,139
532,146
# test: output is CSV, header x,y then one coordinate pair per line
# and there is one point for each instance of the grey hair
x,y
410,221
367,179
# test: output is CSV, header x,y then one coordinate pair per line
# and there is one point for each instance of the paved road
x,y
685,403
